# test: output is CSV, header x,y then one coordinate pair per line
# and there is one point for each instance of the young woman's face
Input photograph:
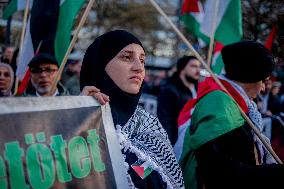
x,y
127,69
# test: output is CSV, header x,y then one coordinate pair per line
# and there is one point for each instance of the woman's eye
x,y
142,61
126,57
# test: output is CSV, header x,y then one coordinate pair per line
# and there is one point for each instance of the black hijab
x,y
97,56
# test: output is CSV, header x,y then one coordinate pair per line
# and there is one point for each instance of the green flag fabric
x,y
10,9
207,130
14,6
228,22
67,14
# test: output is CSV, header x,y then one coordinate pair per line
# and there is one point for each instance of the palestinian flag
x,y
228,28
192,137
184,119
192,16
228,22
217,65
14,6
142,170
51,23
41,27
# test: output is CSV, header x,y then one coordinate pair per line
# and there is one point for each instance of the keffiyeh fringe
x,y
127,143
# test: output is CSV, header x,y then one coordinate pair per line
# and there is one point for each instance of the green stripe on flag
x,y
10,9
147,171
218,65
230,28
68,11
193,26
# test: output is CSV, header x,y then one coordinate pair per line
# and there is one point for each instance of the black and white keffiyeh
x,y
256,118
138,131
144,136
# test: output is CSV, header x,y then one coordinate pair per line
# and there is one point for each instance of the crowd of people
x,y
216,147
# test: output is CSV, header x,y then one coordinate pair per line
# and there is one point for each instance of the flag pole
x,y
22,40
213,28
26,79
183,38
71,45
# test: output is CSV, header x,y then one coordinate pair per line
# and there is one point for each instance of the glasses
x,y
39,71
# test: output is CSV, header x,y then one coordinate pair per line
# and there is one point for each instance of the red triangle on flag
x,y
218,47
190,6
271,36
24,84
139,170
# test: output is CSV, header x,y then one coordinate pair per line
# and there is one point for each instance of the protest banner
x,y
58,142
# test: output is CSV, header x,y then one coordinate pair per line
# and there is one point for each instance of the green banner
x,y
58,142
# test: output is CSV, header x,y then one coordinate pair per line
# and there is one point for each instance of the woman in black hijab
x,y
114,63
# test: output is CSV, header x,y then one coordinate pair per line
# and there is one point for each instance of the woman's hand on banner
x,y
94,91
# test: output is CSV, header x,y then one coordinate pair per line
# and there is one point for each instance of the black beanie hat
x,y
182,62
100,52
247,61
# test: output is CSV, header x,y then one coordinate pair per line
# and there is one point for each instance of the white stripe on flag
x,y
206,26
26,53
199,16
215,56
21,4
61,2
178,147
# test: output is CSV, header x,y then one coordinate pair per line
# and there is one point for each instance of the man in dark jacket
x,y
44,68
176,92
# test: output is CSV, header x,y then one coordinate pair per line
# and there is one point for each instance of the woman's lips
x,y
136,78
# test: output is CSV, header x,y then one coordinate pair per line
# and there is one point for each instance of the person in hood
x,y
114,64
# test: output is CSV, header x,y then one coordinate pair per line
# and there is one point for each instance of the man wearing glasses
x,y
44,68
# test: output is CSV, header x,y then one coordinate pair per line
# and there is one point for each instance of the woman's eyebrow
x,y
127,51
131,52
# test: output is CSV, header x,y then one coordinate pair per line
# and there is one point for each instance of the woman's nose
x,y
138,65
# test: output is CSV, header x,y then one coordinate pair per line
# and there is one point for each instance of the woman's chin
x,y
132,90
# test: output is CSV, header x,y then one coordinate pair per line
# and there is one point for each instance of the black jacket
x,y
229,162
173,96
